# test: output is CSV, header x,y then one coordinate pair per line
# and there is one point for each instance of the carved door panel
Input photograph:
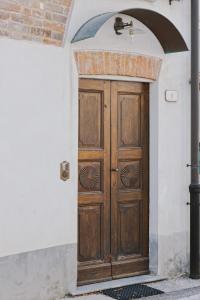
x,y
113,180
129,178
94,181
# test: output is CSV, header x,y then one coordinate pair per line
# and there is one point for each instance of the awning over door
x,y
168,35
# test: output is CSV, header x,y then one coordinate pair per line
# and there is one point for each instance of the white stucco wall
x,y
38,130
37,208
173,156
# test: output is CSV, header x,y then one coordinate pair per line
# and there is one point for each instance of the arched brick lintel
x,y
117,64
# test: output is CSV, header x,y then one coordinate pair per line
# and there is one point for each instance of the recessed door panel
x,y
90,233
129,228
91,119
129,123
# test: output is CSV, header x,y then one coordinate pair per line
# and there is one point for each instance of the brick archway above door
x,y
117,64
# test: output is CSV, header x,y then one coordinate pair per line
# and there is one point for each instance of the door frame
x,y
153,159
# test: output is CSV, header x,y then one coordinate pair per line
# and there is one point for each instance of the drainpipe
x,y
194,186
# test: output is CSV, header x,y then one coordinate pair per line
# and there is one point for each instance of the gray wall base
x,y
44,274
173,254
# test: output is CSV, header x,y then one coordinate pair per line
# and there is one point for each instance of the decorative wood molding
x,y
117,64
89,177
130,175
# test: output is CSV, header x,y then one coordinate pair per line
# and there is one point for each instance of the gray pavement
x,y
186,294
90,297
175,284
174,289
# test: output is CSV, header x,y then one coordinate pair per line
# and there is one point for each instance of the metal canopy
x,y
169,37
90,28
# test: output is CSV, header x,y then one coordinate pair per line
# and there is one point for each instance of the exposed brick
x,y
118,64
54,26
3,25
61,2
56,18
38,13
17,28
27,19
40,32
4,15
54,8
26,11
56,36
52,42
4,32
10,6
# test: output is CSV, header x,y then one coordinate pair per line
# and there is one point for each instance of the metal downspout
x,y
195,186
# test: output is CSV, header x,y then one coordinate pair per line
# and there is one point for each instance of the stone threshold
x,y
91,288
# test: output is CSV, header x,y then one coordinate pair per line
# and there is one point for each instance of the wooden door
x,y
94,181
129,179
113,180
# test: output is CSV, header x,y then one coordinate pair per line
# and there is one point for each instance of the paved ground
x,y
175,284
91,297
174,289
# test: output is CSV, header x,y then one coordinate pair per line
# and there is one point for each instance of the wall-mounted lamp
x,y
120,28
120,25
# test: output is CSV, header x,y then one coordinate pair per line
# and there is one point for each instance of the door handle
x,y
115,170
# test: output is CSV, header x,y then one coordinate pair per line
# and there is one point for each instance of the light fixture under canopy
x,y
168,35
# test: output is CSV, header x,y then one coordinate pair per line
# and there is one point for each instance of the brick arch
x,y
117,64
35,20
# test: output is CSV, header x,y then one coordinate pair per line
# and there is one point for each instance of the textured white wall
x,y
37,209
173,156
38,129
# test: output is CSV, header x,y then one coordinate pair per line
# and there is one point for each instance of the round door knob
x,y
115,170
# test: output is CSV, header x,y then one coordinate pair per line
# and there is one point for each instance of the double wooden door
x,y
112,180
